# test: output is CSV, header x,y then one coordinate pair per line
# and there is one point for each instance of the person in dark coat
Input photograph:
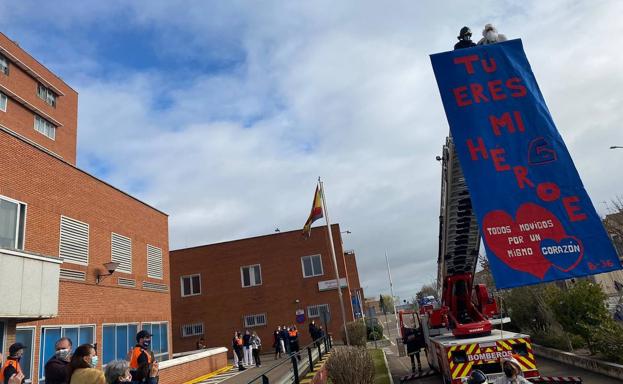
x,y
56,368
414,340
293,338
313,330
465,39
283,337
236,344
277,344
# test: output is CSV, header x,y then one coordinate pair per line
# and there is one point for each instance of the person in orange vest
x,y
293,338
143,365
11,368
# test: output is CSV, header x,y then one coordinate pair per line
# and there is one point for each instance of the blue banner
x,y
536,219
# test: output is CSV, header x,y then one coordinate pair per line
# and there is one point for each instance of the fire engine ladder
x,y
459,237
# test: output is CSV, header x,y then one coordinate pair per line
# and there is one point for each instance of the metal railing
x,y
297,364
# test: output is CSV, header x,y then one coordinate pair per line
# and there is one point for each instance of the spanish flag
x,y
315,214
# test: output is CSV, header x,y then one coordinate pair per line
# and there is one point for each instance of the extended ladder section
x,y
459,239
459,243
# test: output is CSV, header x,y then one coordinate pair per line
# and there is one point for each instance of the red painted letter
x,y
480,148
504,121
514,83
495,88
489,68
497,155
573,211
477,92
460,96
521,174
548,191
467,61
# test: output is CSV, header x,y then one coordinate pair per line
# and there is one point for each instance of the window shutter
x,y
74,241
121,252
154,262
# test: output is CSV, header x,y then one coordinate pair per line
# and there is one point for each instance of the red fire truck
x,y
459,333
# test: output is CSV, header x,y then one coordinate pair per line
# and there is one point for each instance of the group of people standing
x,y
246,349
69,366
490,35
286,339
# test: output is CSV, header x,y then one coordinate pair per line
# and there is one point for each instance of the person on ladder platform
x,y
414,340
465,39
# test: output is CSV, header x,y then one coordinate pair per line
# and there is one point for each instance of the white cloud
x,y
341,90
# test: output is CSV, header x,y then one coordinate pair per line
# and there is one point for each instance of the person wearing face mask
x,y
143,365
81,369
512,373
56,368
465,39
11,365
490,35
118,371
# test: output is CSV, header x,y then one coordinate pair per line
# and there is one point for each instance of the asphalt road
x,y
401,366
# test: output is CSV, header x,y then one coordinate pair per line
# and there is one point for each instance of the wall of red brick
x,y
181,373
223,302
51,188
21,120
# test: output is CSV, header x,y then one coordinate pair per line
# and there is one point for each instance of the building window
x,y
4,65
74,242
12,223
3,102
121,252
192,330
26,336
316,310
117,341
251,275
46,95
255,320
159,339
312,265
154,262
78,334
191,285
45,127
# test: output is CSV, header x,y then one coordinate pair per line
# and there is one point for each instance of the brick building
x,y
259,283
59,225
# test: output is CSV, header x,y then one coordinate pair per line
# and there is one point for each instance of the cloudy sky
x,y
224,113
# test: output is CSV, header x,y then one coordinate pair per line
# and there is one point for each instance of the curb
x,y
389,373
209,375
602,367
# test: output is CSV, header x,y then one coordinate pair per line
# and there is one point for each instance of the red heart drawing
x,y
517,242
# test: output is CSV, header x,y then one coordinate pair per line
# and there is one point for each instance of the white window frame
x,y
312,266
252,282
101,345
46,94
120,268
247,324
19,219
190,277
32,350
189,330
155,276
4,101
44,127
168,334
316,308
4,64
76,343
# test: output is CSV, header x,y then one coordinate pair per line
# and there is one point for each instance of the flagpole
x,y
391,289
337,275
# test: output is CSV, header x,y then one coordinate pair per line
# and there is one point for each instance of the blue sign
x,y
536,219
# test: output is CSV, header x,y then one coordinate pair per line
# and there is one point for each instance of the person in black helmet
x,y
477,377
465,39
